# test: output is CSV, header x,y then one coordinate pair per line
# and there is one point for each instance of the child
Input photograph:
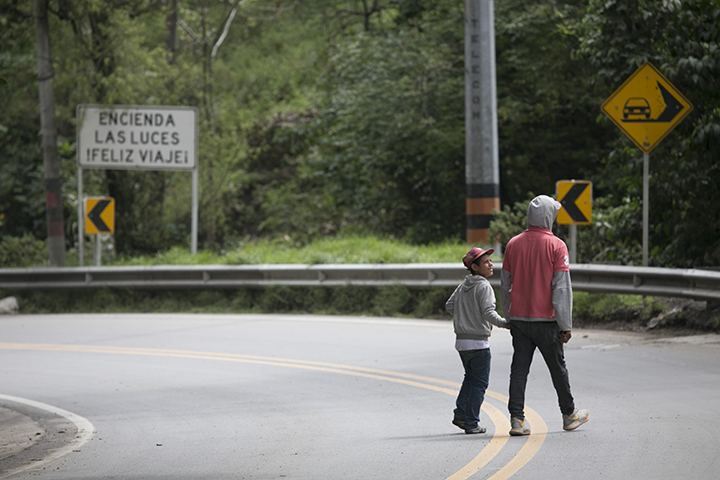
x,y
472,306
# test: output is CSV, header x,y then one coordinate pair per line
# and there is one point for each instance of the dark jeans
x,y
545,336
475,382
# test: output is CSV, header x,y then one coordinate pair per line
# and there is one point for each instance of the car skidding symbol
x,y
636,108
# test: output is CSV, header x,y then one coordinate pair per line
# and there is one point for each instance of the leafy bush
x,y
392,300
25,251
510,221
609,238
396,300
606,308
430,302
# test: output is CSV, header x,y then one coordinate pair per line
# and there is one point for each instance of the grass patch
x,y
328,250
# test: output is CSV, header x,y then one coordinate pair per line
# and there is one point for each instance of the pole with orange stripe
x,y
481,200
482,171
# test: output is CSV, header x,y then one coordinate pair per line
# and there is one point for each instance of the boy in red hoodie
x,y
536,294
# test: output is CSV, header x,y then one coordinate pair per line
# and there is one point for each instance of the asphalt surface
x,y
18,432
269,396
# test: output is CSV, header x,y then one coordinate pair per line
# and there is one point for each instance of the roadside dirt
x,y
681,317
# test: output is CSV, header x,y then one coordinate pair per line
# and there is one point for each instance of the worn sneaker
x,y
475,430
518,427
459,423
575,419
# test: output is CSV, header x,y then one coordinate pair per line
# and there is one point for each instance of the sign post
x,y
647,107
575,197
131,137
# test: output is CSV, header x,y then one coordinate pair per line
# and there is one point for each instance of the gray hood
x,y
471,281
542,212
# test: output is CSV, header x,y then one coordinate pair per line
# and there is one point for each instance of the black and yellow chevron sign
x,y
99,215
575,197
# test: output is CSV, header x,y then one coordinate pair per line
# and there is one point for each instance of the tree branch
x,y
226,27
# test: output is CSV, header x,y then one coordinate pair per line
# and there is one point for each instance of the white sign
x,y
137,137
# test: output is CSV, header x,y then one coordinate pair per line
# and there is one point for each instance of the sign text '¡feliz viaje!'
x,y
142,156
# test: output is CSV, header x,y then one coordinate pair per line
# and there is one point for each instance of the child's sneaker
x,y
518,427
575,419
476,430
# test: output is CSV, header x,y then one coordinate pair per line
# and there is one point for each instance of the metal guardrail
x,y
689,283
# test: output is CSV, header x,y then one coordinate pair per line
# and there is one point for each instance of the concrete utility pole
x,y
51,165
482,164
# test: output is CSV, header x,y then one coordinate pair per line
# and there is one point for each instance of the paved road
x,y
308,397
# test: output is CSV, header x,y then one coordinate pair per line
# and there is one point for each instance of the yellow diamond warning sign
x,y
646,107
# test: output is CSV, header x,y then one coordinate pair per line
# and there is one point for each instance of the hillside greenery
x,y
322,119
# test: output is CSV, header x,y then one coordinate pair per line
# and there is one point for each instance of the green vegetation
x,y
599,309
25,251
325,250
637,313
396,301
333,131
28,251
609,311
628,312
320,118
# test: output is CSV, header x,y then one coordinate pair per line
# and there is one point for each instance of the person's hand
x,y
565,336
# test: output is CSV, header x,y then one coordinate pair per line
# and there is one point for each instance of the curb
x,y
18,432
33,434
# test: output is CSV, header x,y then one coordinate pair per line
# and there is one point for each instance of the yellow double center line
x,y
496,443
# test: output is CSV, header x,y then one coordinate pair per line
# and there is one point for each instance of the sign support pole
x,y
573,243
97,253
194,214
646,207
81,218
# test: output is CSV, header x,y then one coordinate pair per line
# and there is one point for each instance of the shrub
x,y
431,302
392,300
604,308
25,251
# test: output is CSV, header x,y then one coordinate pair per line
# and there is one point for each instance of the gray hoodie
x,y
541,213
472,306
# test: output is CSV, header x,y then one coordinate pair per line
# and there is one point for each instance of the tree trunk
x,y
51,164
171,16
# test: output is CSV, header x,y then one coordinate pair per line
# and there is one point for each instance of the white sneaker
x,y
518,427
575,419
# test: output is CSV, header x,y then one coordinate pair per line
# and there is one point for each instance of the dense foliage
x,y
682,39
320,117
